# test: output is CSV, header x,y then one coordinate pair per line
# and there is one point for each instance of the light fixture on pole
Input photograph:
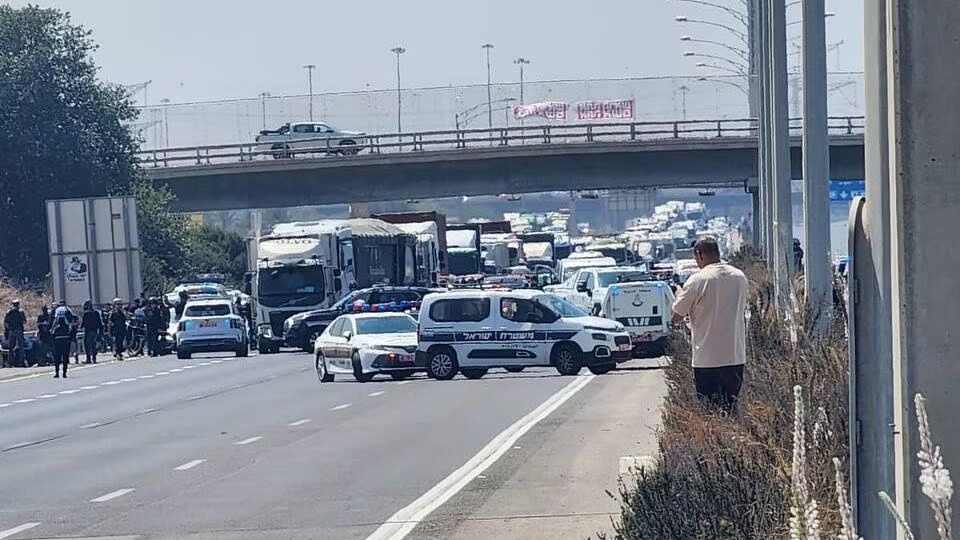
x,y
730,11
487,47
398,51
722,68
310,68
739,34
738,65
521,62
735,50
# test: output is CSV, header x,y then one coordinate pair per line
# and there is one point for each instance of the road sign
x,y
846,190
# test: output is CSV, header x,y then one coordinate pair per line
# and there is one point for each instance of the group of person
x,y
57,330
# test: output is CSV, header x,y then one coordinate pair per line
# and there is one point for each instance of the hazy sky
x,y
216,49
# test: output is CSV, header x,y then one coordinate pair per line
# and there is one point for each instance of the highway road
x,y
227,448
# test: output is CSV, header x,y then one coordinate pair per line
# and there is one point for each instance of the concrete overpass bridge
x,y
484,162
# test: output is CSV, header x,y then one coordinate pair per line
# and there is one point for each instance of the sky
x,y
202,50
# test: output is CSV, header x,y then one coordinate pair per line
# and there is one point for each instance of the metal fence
x,y
660,99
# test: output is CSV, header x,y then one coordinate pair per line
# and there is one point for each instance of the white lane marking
x,y
27,400
176,370
68,392
90,425
189,367
406,519
189,465
340,407
112,495
216,361
146,376
18,529
2,405
248,441
148,411
375,394
204,364
161,373
90,387
236,386
404,382
46,396
129,379
111,383
299,422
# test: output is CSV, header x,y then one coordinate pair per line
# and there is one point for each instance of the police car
x,y
211,325
472,331
367,343
644,308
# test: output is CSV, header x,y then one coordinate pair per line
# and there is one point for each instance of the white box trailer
x,y
94,249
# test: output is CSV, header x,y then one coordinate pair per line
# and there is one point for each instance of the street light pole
x,y
310,68
782,207
683,101
166,122
521,62
488,47
398,51
263,107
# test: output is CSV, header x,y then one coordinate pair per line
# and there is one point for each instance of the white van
x,y
471,331
644,308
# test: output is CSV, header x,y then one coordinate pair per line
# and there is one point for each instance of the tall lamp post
x,y
398,51
488,47
263,107
166,122
521,62
310,68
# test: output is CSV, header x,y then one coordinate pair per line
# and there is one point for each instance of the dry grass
x,y
30,301
729,477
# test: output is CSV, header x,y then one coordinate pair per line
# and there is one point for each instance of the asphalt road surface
x,y
255,448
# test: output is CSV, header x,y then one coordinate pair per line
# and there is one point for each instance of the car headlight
x,y
598,336
265,330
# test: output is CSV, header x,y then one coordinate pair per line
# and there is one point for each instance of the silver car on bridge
x,y
309,138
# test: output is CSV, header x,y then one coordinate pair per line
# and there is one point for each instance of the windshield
x,y
618,254
609,278
561,306
398,324
207,310
461,263
291,286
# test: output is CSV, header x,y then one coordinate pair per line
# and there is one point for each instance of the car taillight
x,y
182,327
235,323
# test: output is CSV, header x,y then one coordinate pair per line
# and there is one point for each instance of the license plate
x,y
209,324
625,347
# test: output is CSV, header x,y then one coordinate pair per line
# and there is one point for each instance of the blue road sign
x,y
846,190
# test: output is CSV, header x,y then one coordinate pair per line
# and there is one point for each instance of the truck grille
x,y
621,340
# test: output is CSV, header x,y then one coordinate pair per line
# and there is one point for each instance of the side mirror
x,y
348,335
582,287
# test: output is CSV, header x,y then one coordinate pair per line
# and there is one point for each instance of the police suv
x,y
366,344
211,325
471,331
644,308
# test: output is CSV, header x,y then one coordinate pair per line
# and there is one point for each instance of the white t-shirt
x,y
715,299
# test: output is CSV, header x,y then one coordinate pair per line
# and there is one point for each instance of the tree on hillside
x,y
62,131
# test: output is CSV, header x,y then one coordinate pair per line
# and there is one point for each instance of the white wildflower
x,y
892,508
849,530
804,516
934,476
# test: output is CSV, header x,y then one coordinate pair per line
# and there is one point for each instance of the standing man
x,y
44,335
715,300
154,320
63,337
118,327
13,326
92,325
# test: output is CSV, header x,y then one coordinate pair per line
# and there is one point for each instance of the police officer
x,y
13,326
154,320
118,327
44,335
91,322
63,336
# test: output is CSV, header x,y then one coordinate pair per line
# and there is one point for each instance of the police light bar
x,y
403,306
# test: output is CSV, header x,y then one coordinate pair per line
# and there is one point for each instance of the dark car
x,y
302,329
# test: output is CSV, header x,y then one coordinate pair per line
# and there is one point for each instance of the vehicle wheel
x,y
308,346
322,374
183,355
442,364
358,373
600,369
514,369
243,350
473,373
281,151
400,375
349,148
566,358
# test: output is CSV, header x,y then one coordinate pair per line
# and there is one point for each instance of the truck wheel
x,y
600,369
281,151
183,355
566,358
442,364
358,373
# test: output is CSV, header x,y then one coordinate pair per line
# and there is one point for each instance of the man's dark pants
x,y
90,341
718,387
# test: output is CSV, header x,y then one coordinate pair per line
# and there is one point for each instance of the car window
x,y
523,310
591,282
460,310
386,325
303,128
562,307
336,328
208,310
398,296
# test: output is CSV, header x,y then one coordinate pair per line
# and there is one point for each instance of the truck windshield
x,y
561,306
291,286
618,254
461,263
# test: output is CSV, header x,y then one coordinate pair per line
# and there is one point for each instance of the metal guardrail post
x,y
546,134
676,130
589,133
154,157
459,138
849,126
199,157
633,131
719,128
208,156
503,137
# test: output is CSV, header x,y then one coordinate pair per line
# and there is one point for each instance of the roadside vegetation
x,y
64,133
731,477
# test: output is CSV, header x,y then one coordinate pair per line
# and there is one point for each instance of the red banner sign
x,y
605,110
553,110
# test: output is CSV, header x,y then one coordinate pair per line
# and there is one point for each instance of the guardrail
x,y
467,139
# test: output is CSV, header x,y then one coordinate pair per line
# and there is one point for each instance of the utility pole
x,y
816,166
783,204
166,122
487,47
398,51
263,107
310,68
766,177
683,101
522,62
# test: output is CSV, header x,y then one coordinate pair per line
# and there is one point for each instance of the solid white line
x,y
176,370
130,379
340,407
189,465
18,529
216,361
406,519
46,396
90,425
247,441
67,392
112,495
299,422
27,400
90,387
375,394
146,376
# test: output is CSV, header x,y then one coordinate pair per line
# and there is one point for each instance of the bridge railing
x,y
475,139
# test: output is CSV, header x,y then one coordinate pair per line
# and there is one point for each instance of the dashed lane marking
x,y
189,465
91,425
299,422
95,386
25,400
68,392
146,376
112,495
245,442
47,396
375,394
18,529
340,407
161,373
404,382
129,379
